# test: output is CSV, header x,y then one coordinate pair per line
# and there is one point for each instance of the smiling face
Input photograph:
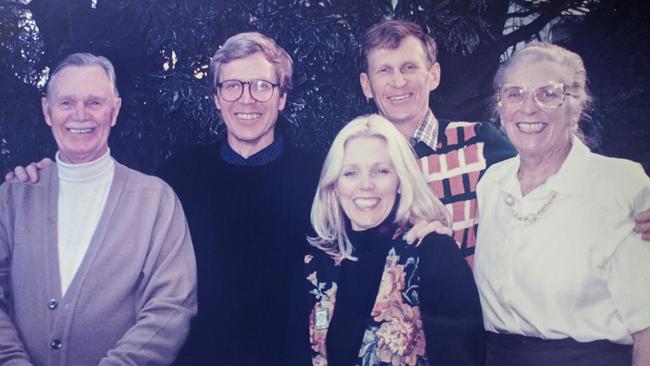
x,y
537,131
367,185
399,81
81,108
250,124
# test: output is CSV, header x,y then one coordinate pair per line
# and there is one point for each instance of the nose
x,y
529,104
398,79
247,96
367,182
80,112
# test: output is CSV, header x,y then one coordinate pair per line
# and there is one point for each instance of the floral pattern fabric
x,y
394,335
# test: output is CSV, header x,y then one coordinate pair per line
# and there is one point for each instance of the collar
x,y
569,179
572,175
262,157
85,171
427,132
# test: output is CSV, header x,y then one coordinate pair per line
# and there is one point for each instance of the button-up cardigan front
x,y
133,295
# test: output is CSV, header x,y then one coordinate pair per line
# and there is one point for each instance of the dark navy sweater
x,y
248,228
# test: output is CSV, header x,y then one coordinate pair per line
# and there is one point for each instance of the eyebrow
x,y
383,65
74,96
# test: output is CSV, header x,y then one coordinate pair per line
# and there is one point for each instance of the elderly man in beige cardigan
x,y
96,260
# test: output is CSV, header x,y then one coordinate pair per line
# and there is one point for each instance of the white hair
x,y
575,75
84,59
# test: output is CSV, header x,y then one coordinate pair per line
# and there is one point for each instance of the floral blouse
x,y
394,334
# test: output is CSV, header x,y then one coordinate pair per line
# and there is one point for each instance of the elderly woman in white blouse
x,y
563,278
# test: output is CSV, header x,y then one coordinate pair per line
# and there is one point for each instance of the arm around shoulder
x,y
642,213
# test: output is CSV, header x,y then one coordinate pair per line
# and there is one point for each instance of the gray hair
x,y
575,75
416,200
245,44
84,59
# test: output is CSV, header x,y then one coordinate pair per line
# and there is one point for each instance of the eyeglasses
x,y
547,96
232,90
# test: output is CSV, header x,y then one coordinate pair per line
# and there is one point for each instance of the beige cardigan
x,y
133,295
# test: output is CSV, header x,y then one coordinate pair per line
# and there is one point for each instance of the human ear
x,y
364,79
282,102
46,111
116,110
434,75
215,97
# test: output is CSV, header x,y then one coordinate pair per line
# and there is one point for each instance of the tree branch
x,y
522,14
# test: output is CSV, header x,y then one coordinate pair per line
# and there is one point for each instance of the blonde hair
x,y
416,201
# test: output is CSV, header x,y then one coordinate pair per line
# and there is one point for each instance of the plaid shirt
x,y
427,132
453,156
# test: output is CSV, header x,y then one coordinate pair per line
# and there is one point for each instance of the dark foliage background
x,y
166,109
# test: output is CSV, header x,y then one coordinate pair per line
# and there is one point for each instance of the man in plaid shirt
x,y
400,72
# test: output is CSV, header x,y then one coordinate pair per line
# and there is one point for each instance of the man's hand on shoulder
x,y
642,226
422,228
29,172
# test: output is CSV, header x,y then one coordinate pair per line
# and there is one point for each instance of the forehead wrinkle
x,y
403,59
518,82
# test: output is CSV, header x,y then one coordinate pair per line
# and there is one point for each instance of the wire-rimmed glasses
x,y
548,96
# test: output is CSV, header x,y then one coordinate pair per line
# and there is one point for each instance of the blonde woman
x,y
373,298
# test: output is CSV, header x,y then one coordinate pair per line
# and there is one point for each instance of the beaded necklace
x,y
531,217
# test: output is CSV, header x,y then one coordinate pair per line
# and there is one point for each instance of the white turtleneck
x,y
83,189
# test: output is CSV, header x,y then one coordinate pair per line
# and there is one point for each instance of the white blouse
x,y
576,271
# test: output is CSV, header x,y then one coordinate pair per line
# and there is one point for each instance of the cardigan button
x,y
52,304
56,344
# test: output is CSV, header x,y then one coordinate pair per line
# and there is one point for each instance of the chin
x,y
367,223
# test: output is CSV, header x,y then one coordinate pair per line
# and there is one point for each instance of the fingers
x,y
643,224
32,172
422,229
44,163
444,230
642,217
643,228
413,233
21,174
9,176
410,236
435,226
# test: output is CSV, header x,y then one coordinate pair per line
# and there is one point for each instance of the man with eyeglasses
x,y
247,198
247,202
